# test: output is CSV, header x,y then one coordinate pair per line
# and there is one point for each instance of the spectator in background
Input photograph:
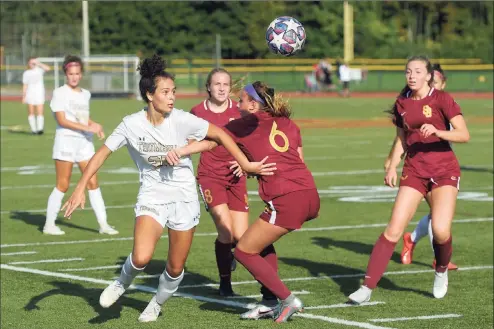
x,y
33,94
344,70
325,74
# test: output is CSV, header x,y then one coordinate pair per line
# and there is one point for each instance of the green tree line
x,y
182,29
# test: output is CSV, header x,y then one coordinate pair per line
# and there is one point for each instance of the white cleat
x,y
440,284
111,294
52,230
360,296
152,311
108,230
263,310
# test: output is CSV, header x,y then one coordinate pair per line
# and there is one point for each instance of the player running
x,y
424,226
422,115
290,194
167,195
74,144
33,94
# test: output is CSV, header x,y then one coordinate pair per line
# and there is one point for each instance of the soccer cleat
x,y
226,289
407,251
287,309
52,230
108,230
111,294
451,266
264,310
440,287
151,312
41,132
360,296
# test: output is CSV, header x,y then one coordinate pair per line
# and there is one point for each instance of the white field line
x,y
302,292
423,317
341,305
85,269
61,260
18,253
339,276
184,295
29,187
308,229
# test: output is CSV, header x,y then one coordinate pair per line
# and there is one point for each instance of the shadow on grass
x,y
39,221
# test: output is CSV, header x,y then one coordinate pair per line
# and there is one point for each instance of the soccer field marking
x,y
185,295
18,253
342,305
307,229
302,292
51,186
422,317
61,260
95,268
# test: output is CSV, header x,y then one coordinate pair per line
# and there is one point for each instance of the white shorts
x,y
178,216
35,98
72,148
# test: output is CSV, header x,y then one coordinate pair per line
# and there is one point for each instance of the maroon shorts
x,y
425,185
215,192
292,210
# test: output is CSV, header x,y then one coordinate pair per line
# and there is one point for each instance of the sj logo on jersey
x,y
427,111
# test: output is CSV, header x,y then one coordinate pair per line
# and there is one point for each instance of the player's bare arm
x,y
63,122
78,197
459,134
395,158
43,66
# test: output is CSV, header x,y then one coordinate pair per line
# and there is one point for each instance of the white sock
x,y
129,272
431,235
54,205
40,122
421,229
98,205
32,122
167,286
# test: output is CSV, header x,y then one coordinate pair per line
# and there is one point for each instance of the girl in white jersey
x,y
33,94
73,144
167,195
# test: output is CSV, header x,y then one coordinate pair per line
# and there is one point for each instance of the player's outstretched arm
x,y
78,197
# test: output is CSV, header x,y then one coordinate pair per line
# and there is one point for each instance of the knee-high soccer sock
x,y
167,286
98,205
32,122
379,259
53,207
443,254
224,259
431,235
129,272
421,229
40,122
269,255
263,272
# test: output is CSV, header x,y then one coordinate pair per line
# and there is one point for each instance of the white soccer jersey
x,y
76,107
148,146
33,78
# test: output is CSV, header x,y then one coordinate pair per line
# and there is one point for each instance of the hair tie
x,y
70,64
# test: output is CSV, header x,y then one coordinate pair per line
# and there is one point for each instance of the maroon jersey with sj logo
x,y
215,163
260,135
431,156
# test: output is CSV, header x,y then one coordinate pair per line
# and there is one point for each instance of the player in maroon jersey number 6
x,y
422,115
291,197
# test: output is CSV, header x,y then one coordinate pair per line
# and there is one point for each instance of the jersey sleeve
x,y
194,127
118,138
24,78
57,103
449,107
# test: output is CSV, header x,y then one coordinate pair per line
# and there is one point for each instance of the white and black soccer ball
x,y
285,35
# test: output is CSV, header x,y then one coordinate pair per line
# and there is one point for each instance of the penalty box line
x,y
148,289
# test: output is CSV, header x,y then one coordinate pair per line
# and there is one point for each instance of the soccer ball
x,y
285,35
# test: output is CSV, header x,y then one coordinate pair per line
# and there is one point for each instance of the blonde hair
x,y
275,104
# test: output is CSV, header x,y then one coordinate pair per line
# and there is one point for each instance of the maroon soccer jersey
x,y
260,135
215,163
431,156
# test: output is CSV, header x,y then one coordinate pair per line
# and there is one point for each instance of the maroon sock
x,y
263,272
443,254
378,261
224,259
269,255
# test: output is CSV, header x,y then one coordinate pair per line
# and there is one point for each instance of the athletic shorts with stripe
x,y
292,210
215,192
426,185
178,216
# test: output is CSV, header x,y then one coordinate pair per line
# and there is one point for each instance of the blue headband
x,y
249,89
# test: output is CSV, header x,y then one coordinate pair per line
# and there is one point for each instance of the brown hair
x,y
72,59
275,104
210,77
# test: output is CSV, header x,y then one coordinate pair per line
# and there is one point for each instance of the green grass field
x,y
324,262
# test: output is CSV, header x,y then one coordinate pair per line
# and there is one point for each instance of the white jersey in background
x,y
76,107
35,92
148,145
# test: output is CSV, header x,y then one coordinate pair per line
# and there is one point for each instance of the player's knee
x,y
393,234
174,269
92,184
141,259
63,185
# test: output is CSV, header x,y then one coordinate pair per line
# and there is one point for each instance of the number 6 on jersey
x,y
275,132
